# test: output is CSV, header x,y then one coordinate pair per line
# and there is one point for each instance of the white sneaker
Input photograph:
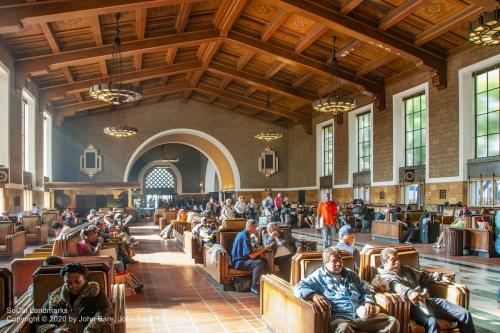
x,y
437,246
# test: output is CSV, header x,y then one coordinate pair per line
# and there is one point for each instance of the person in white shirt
x,y
35,210
227,211
240,207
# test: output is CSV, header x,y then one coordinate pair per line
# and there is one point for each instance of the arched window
x,y
160,178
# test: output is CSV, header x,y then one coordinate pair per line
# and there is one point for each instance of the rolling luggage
x,y
454,241
429,232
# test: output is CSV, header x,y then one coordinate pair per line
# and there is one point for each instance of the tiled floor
x,y
180,297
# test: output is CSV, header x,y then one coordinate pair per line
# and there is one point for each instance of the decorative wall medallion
x,y
268,162
4,175
90,161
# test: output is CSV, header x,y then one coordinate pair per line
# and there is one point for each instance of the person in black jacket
x,y
78,305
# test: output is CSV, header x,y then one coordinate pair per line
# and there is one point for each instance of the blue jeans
x,y
440,308
257,266
328,234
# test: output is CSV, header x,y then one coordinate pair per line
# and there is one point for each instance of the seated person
x,y
206,230
245,258
228,211
68,216
77,306
408,282
60,229
459,223
464,212
338,289
346,242
53,261
85,247
411,228
103,232
79,220
92,215
341,217
483,216
124,250
282,246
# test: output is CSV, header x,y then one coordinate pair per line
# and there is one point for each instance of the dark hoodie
x,y
407,279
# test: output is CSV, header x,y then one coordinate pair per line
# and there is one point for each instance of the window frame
x,y
365,116
327,147
476,75
422,129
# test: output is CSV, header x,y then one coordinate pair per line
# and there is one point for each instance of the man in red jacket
x,y
326,211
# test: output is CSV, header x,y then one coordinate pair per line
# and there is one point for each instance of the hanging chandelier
x,y
336,102
116,93
119,129
485,30
269,134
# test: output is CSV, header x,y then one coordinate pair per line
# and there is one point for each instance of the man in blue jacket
x,y
338,289
243,256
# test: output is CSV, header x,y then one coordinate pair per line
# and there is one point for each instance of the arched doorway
x,y
213,149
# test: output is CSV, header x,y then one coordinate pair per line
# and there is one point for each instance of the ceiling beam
x,y
399,14
245,59
138,62
72,109
171,53
224,83
275,24
227,15
445,25
182,17
103,67
258,80
349,5
16,17
302,79
212,100
346,49
370,66
250,90
207,52
49,35
140,22
186,95
364,32
275,68
95,26
236,98
58,92
195,77
42,64
284,55
313,35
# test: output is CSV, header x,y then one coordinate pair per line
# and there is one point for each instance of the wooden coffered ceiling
x,y
230,53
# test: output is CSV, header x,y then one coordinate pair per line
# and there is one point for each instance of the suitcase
x,y
454,242
429,232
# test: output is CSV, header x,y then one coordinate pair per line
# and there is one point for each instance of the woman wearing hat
x,y
78,305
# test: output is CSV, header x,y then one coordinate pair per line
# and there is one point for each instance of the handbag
x,y
318,222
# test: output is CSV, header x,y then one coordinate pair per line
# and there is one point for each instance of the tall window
x,y
47,145
364,141
28,133
486,88
484,192
415,129
4,116
327,137
28,200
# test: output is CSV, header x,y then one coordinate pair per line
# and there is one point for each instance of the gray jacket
x,y
407,279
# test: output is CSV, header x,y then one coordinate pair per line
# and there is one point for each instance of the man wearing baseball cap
x,y
346,242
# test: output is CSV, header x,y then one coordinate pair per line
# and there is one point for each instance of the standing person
x,y
268,204
252,209
286,211
68,216
210,209
326,211
278,204
240,207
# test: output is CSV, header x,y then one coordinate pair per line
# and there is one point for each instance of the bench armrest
x,y
454,292
42,233
16,243
277,302
118,302
394,305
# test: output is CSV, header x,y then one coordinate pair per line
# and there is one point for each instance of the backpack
x,y
243,283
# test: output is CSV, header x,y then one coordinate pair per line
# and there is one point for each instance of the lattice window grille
x,y
160,178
